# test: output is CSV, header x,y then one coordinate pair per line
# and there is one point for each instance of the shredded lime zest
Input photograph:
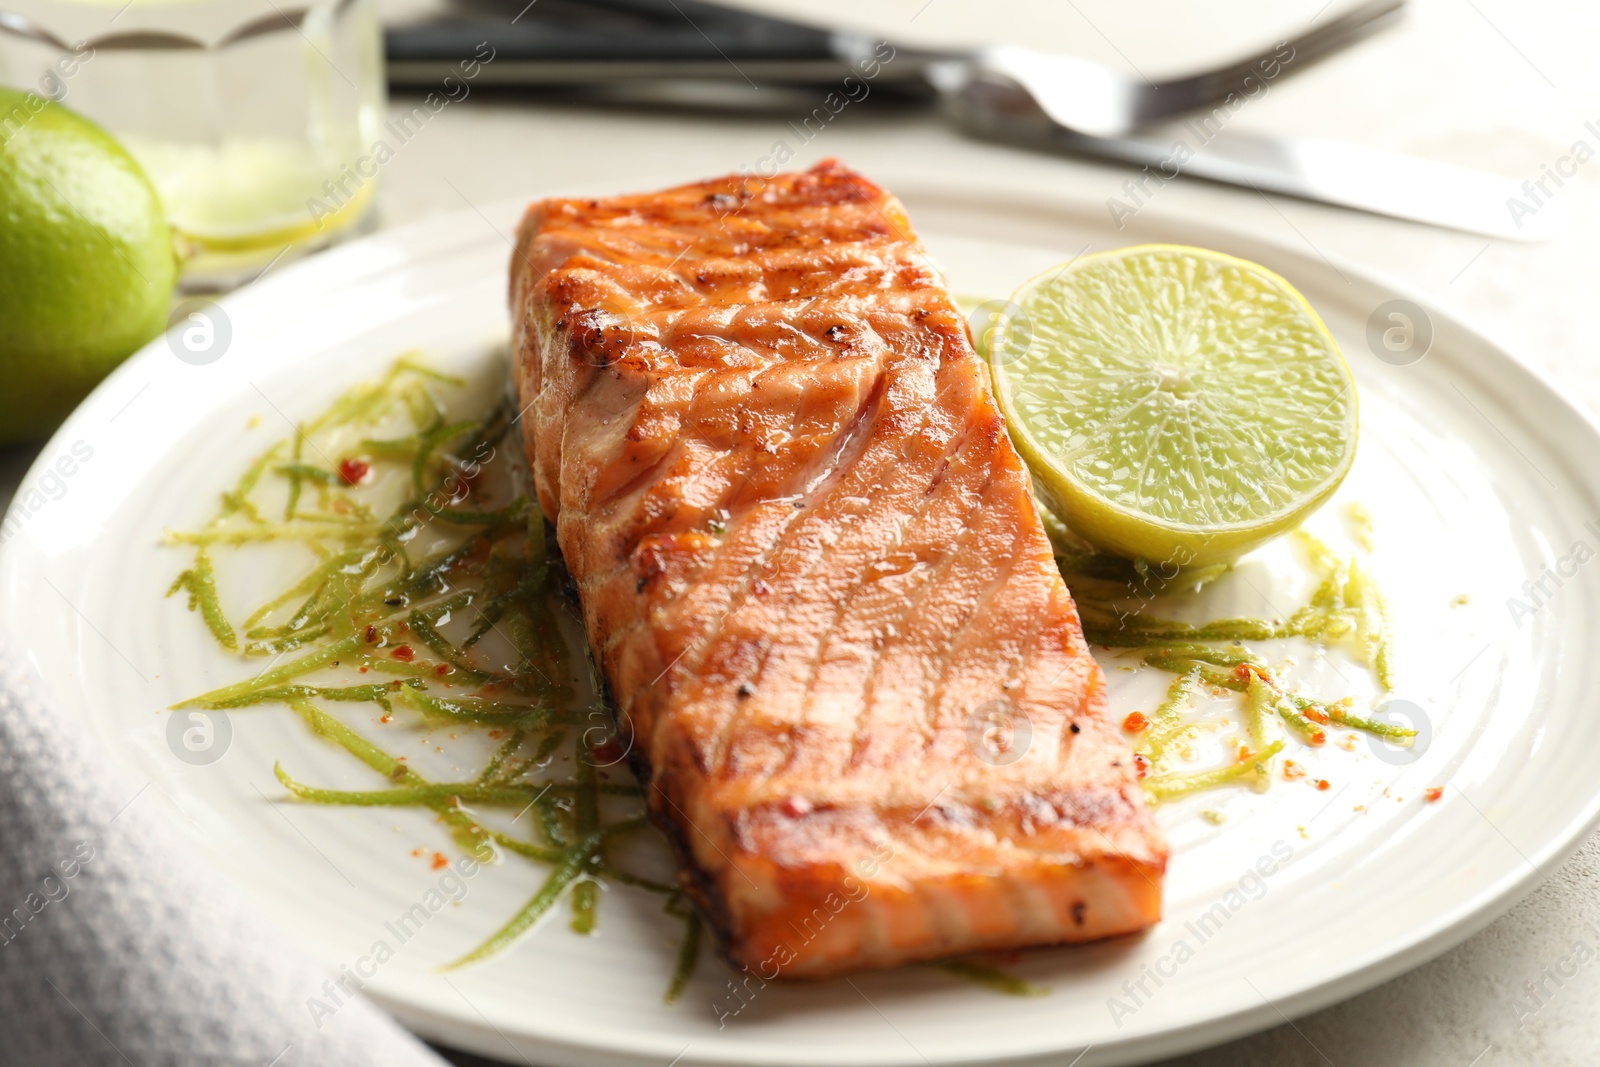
x,y
471,837
379,693
1304,728
237,500
586,822
235,696
1399,735
992,978
573,862
688,957
202,586
1344,608
479,794
406,594
1168,726
1172,786
484,712
1260,702
1358,520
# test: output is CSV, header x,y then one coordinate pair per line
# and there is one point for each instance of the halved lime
x,y
1175,404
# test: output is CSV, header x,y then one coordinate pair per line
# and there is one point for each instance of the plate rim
x,y
455,229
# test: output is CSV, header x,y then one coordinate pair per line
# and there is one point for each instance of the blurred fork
x,y
1056,103
1092,99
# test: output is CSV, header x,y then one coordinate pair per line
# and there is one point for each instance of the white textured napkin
x,y
119,945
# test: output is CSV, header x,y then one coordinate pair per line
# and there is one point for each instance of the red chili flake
x,y
372,635
496,735
442,669
607,752
1322,783
1293,770
1141,765
1433,792
416,852
403,653
1316,715
1317,737
439,861
351,471
386,718
363,670
1135,722
1244,671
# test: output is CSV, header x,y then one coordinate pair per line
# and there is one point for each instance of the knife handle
x,y
610,40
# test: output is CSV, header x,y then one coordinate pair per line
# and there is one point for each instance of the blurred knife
x,y
640,45
695,53
1309,168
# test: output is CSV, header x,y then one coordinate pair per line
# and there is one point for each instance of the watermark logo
x,y
51,485
601,744
599,337
1251,885
999,733
1399,332
344,191
1540,590
52,88
53,888
199,738
802,931
1141,188
1001,331
1537,192
1405,714
853,88
1538,994
451,887
199,331
53,82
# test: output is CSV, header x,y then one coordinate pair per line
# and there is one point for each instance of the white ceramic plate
x,y
1473,468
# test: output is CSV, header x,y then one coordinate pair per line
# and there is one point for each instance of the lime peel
x,y
1175,404
86,256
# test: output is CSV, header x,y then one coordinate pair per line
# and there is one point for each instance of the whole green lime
x,y
86,261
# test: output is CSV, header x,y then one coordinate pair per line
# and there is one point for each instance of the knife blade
x,y
1317,169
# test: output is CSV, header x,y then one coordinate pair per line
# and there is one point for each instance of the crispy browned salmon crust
x,y
811,569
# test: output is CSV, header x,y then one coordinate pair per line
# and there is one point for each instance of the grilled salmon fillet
x,y
810,567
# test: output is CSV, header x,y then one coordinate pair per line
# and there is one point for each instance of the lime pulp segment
x,y
1166,388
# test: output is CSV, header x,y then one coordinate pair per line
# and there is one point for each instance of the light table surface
x,y
1491,83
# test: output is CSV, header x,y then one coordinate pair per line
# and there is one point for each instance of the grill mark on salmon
x,y
843,572
810,569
